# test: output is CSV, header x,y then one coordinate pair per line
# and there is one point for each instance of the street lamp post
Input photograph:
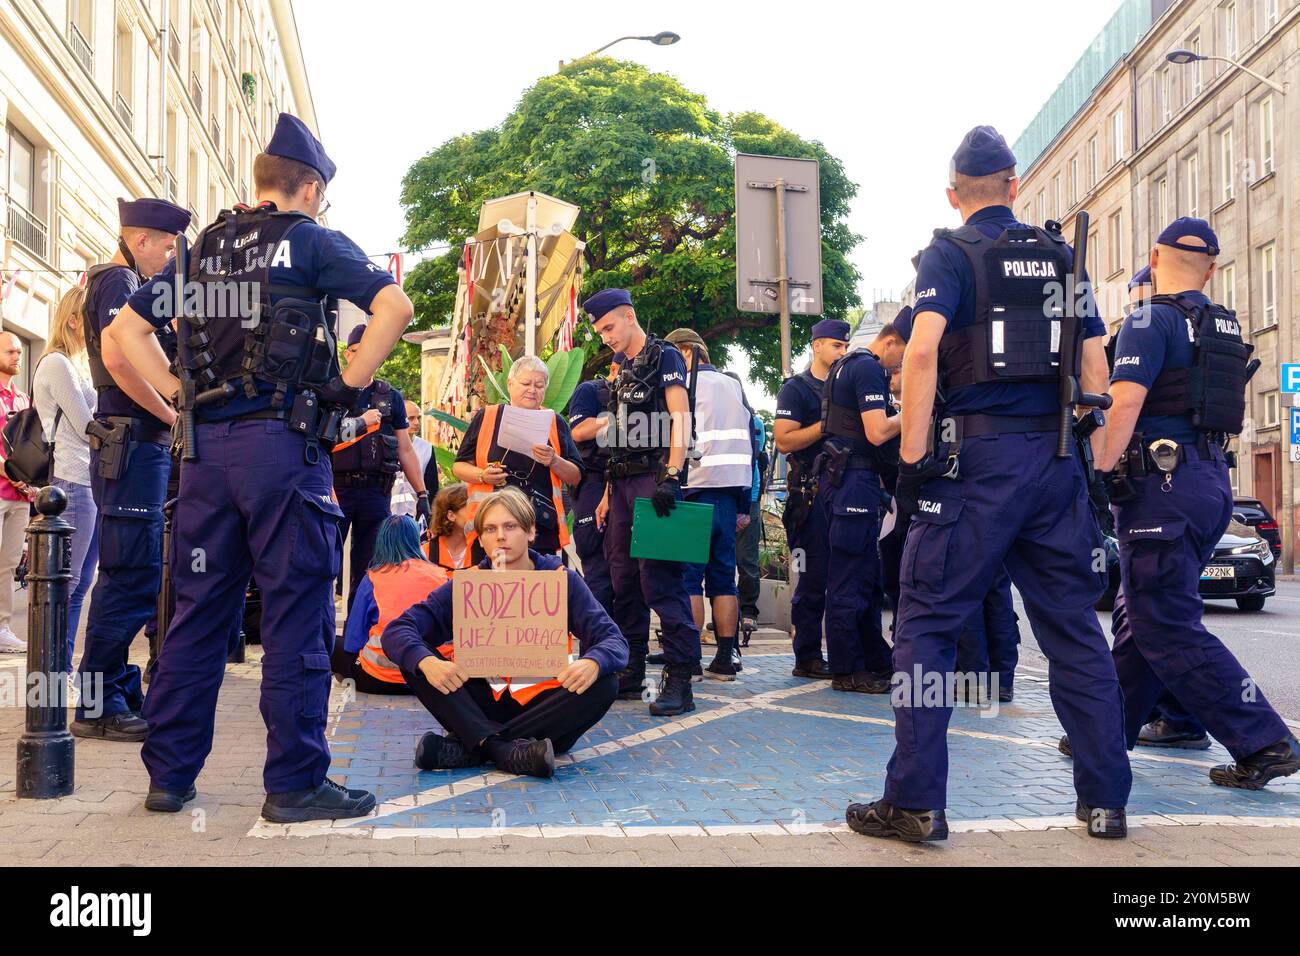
x,y
663,38
1182,57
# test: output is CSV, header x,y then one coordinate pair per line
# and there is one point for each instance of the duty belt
x,y
979,426
630,466
361,479
142,431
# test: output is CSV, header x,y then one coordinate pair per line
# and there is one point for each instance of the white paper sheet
x,y
522,428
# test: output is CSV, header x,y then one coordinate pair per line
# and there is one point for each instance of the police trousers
x,y
854,582
990,641
1017,505
250,504
810,554
589,541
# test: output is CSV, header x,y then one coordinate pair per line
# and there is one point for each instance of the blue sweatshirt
x,y
427,625
364,616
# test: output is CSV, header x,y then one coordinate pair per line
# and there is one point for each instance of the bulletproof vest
x,y
99,375
594,453
1212,390
375,453
1020,294
242,338
814,386
636,391
845,421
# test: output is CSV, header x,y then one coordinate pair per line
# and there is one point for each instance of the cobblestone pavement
x,y
758,774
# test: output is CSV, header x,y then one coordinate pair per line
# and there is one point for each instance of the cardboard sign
x,y
510,623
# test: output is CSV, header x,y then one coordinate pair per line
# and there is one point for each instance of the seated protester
x,y
399,576
520,729
488,467
449,545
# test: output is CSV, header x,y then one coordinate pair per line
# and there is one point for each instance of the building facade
x,y
101,99
1199,139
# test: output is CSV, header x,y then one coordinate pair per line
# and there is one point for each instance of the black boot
x,y
722,667
329,801
631,680
443,753
883,819
675,695
861,682
1254,772
1103,823
532,758
814,669
168,801
1161,733
128,727
1063,745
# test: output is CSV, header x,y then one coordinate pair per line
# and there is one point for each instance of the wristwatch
x,y
672,471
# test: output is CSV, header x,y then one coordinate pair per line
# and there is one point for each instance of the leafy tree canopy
x,y
651,166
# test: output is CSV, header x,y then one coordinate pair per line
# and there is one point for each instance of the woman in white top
x,y
61,383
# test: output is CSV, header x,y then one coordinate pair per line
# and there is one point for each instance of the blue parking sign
x,y
1295,426
1291,377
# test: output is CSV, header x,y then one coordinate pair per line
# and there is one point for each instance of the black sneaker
x,y
723,665
631,681
127,727
675,695
736,661
435,752
1103,823
814,670
528,757
168,801
1063,745
861,682
697,673
1254,772
883,819
1161,733
1005,695
329,801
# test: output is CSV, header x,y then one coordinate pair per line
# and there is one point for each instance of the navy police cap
x,y
355,335
605,300
153,214
831,329
982,151
1187,227
1141,277
293,140
903,323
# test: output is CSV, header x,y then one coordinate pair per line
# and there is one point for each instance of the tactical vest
x,y
99,374
636,392
1021,284
845,421
594,451
1212,390
374,453
289,343
814,386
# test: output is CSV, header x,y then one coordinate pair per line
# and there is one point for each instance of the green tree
x,y
651,166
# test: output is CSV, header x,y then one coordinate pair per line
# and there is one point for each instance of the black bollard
x,y
45,750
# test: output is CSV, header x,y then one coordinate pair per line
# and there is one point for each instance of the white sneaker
x,y
74,693
11,643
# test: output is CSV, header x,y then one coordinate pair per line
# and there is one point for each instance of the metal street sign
x,y
1295,426
757,256
1291,377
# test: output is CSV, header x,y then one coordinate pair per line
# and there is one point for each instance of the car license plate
x,y
1218,573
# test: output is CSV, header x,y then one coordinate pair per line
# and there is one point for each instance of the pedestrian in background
x,y
15,499
65,399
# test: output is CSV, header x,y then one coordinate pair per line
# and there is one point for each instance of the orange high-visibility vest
x,y
444,559
522,695
482,450
396,590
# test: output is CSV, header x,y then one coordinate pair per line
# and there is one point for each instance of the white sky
x,y
889,88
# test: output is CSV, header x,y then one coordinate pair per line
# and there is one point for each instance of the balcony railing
x,y
123,111
81,49
169,181
174,44
230,166
26,229
215,129
196,92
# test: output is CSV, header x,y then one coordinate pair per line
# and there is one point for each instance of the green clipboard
x,y
684,535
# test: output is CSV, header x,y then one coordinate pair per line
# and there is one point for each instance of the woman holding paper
x,y
525,446
521,726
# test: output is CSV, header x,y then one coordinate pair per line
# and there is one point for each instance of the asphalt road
x,y
1266,642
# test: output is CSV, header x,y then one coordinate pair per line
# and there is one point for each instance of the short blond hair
x,y
514,501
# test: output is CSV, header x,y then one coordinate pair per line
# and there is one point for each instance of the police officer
x,y
1013,501
129,465
1181,370
797,434
647,455
366,465
268,393
856,422
588,421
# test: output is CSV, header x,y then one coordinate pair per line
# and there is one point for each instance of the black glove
x,y
1097,494
338,392
665,497
911,478
423,513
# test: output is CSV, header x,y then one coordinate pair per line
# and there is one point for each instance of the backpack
x,y
29,458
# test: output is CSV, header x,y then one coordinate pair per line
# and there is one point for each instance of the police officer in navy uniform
x,y
855,419
588,421
797,433
1181,371
1007,498
268,395
129,465
649,393
366,465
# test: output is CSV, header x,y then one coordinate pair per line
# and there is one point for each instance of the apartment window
x,y
1270,14
1195,46
1165,108
1091,263
1225,165
81,32
1114,244
1192,167
1058,210
1228,287
1041,207
1116,136
1094,162
1266,135
1074,180
24,226
1268,284
123,78
1161,205
1230,29
1272,410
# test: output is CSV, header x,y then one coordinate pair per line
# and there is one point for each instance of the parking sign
x,y
1291,377
1295,426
